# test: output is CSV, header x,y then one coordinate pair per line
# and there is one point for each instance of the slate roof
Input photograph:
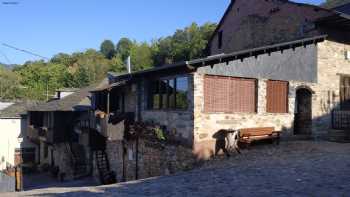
x,y
17,109
343,8
190,66
78,101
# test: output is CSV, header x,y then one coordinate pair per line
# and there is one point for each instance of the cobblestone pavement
x,y
291,169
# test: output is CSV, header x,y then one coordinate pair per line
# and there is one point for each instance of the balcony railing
x,y
340,119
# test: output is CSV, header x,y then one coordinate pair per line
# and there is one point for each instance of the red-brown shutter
x,y
216,94
277,96
229,94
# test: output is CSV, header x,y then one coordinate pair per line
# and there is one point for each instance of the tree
x,y
117,64
184,44
124,47
334,3
9,84
107,49
63,58
141,57
81,69
82,78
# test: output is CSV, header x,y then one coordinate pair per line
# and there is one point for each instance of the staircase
x,y
80,166
106,175
78,160
339,135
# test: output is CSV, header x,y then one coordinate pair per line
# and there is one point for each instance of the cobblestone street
x,y
291,169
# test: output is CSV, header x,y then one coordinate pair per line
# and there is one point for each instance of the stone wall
x,y
177,121
331,64
207,124
256,23
114,150
154,159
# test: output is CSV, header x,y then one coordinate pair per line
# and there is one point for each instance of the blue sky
x,y
48,27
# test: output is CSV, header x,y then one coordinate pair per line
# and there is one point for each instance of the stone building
x,y
266,67
61,130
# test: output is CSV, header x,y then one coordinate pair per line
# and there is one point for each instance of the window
x,y
170,93
277,96
220,36
345,92
46,150
229,94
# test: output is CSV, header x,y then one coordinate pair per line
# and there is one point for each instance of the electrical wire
x,y
25,51
5,56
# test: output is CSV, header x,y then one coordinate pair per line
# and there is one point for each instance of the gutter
x,y
241,55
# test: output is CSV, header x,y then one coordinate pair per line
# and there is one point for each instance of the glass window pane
x,y
172,93
163,93
181,93
153,95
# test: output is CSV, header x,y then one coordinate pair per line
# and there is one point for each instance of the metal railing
x,y
340,119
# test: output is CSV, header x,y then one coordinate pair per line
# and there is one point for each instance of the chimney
x,y
129,64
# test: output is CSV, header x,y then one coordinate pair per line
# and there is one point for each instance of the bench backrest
x,y
259,131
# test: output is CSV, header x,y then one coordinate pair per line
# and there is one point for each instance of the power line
x,y
5,56
25,51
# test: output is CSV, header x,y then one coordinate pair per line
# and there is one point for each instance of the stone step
x,y
337,135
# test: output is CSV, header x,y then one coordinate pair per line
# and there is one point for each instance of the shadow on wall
x,y
333,126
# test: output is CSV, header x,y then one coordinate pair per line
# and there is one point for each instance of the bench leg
x,y
278,141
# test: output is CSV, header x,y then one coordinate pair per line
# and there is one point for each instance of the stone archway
x,y
303,114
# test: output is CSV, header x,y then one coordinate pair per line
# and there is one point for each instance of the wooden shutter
x,y
229,94
277,96
216,94
243,95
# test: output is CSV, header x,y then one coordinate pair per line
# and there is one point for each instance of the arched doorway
x,y
303,114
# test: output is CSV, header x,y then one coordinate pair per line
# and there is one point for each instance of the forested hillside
x,y
80,69
334,3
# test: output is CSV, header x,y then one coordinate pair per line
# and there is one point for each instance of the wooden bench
x,y
249,135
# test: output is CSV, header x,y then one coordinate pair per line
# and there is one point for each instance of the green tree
x,y
124,47
10,87
117,64
63,58
334,3
141,57
107,49
185,44
82,78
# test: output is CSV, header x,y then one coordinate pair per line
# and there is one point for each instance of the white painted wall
x,y
10,130
12,136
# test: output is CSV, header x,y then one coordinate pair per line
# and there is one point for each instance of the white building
x,y
14,148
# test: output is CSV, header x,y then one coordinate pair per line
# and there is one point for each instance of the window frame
x,y
256,96
150,94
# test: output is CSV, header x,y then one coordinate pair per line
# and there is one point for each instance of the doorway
x,y
303,114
